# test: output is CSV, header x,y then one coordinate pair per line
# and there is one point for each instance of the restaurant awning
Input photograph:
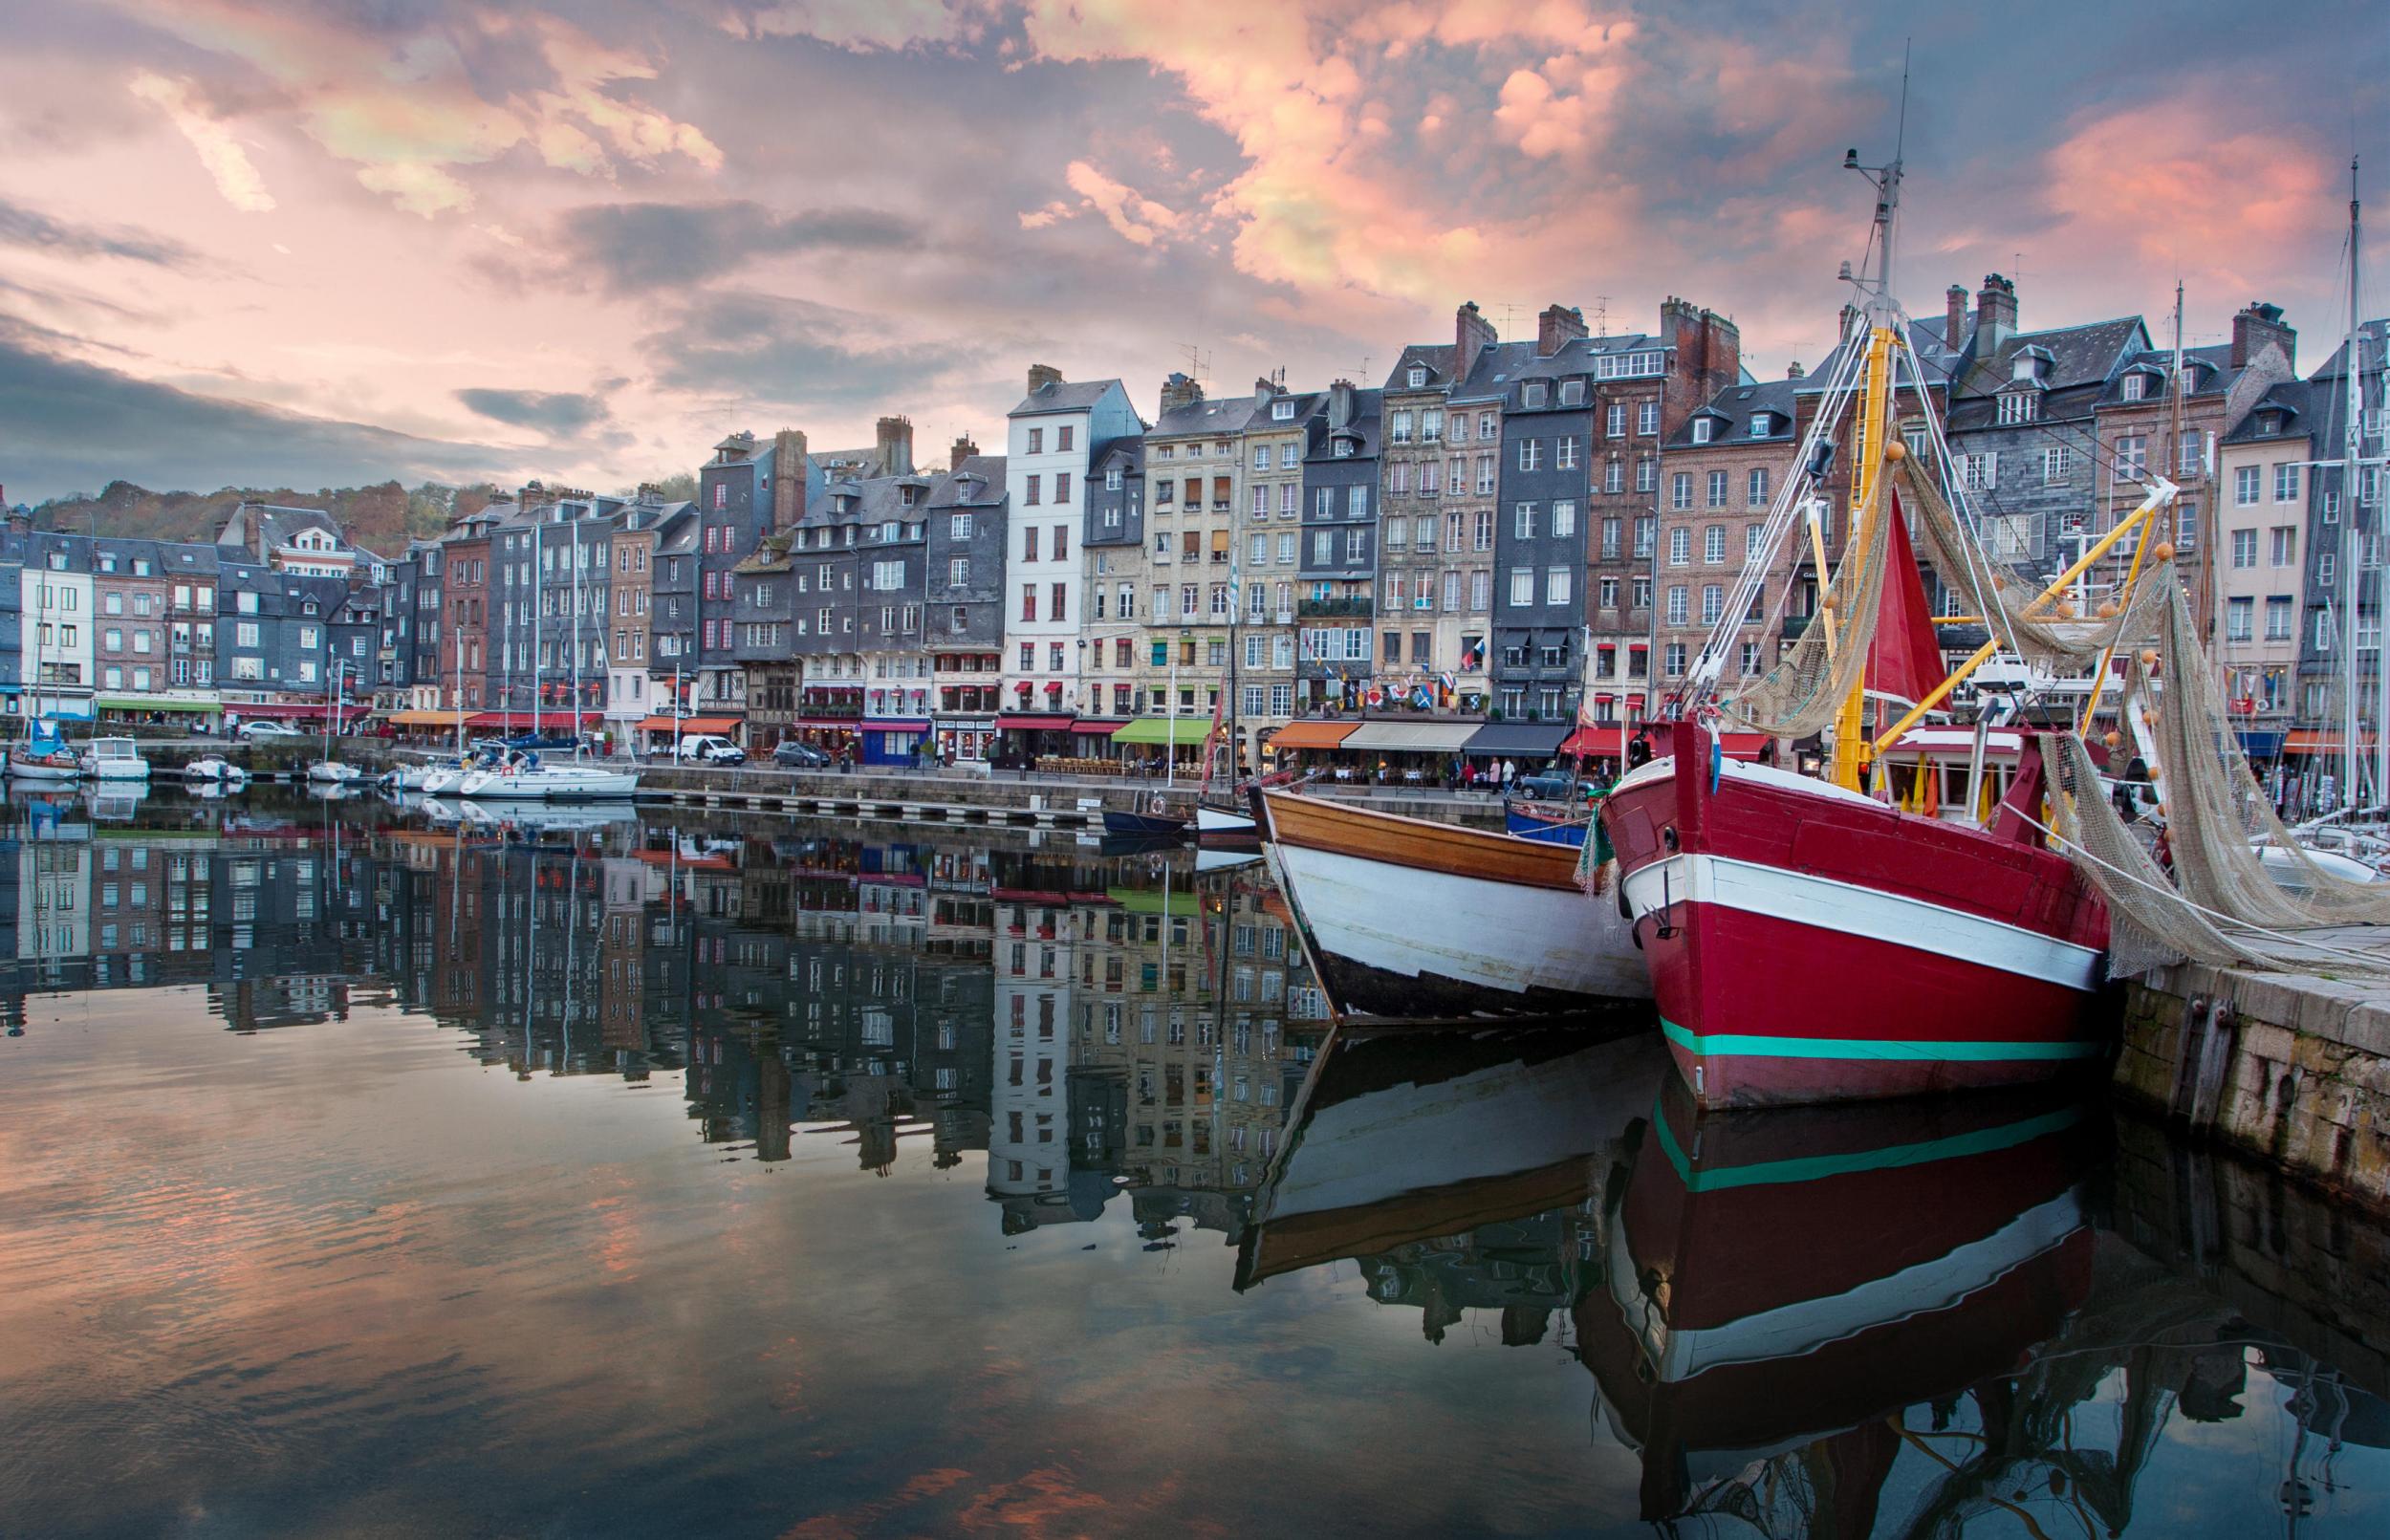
x,y
423,719
1033,721
527,721
896,725
2316,741
1172,730
151,703
1412,737
1095,727
1311,735
1535,739
286,710
690,725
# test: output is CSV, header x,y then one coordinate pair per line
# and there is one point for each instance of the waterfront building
x,y
1051,435
1267,550
2266,483
1118,568
1345,503
56,599
2335,496
964,546
1194,469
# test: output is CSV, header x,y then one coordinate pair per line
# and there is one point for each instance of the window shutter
x,y
1991,470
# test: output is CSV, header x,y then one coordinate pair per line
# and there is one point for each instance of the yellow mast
x,y
1852,750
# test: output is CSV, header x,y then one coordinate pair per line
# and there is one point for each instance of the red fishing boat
x,y
1863,933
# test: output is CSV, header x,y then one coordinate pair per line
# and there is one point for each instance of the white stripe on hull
x,y
1501,936
1897,919
1804,1326
1215,822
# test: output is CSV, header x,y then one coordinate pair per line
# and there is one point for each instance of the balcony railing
x,y
1352,606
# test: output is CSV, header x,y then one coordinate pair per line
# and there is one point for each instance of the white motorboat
x,y
332,772
115,759
211,769
425,775
523,778
1218,820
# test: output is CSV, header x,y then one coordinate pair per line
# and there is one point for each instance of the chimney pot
x,y
1042,375
2257,324
1555,328
791,475
1954,317
963,449
1471,335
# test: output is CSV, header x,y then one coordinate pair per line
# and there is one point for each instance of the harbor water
x,y
383,1171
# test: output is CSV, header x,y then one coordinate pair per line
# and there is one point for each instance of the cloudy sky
x,y
274,242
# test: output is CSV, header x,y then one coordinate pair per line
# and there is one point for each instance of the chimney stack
x,y
1471,335
896,445
2257,325
1340,405
1954,317
1042,375
964,448
1792,370
1708,347
1557,327
1177,391
1996,314
790,472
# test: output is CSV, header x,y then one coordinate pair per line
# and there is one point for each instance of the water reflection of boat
x,y
1784,1280
1406,1136
1412,919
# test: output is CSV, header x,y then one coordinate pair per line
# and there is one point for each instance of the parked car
x,y
265,729
794,755
711,748
1547,787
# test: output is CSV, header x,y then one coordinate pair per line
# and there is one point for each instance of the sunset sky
x,y
263,242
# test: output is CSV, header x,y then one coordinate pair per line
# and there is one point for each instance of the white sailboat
x,y
328,771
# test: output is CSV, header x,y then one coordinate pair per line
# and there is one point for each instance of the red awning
x,y
529,721
1098,728
690,725
1742,745
1033,721
2324,741
827,724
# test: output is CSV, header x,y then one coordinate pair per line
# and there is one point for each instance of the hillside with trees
x,y
381,518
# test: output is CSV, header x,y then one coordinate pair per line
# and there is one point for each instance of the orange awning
x,y
2316,741
1311,735
690,727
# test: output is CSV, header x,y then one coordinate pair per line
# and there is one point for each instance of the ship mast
x,y
2351,483
1879,324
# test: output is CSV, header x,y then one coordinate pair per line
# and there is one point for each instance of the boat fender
x,y
1717,764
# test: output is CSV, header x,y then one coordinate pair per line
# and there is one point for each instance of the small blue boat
x,y
1547,823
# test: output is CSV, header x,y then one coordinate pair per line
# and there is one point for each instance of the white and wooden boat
x,y
115,759
1400,1137
1412,919
42,756
332,772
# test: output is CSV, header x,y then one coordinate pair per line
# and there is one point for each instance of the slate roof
x,y
257,528
2212,367
1204,418
1436,355
1368,425
1068,396
1492,375
1128,449
2305,407
1732,409
2372,336
955,489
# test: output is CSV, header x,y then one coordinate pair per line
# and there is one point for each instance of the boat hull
x,y
1807,945
549,786
1224,822
34,769
1147,825
1549,829
1409,918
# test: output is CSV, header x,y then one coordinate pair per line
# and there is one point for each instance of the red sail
x,y
1906,661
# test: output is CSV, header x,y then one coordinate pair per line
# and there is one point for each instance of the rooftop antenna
x,y
1198,363
1601,316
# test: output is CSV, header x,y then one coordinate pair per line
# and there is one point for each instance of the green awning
x,y
1173,730
150,703
1152,901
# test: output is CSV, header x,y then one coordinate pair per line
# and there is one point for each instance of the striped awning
x,y
1322,734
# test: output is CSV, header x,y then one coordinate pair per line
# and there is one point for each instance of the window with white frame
x,y
1556,585
1678,610
2244,483
1522,585
1680,546
1564,518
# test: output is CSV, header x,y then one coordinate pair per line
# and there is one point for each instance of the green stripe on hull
x,y
1814,1168
1753,1045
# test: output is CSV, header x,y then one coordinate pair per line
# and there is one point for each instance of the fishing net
x,y
2222,902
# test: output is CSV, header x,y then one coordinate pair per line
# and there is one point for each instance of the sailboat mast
x,y
2351,579
1881,320
538,595
576,639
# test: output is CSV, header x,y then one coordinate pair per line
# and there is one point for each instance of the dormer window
x,y
308,608
1571,392
1701,430
1344,449
2270,422
2027,367
2019,406
2135,386
1419,376
1534,393
1282,411
1112,479
1761,424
